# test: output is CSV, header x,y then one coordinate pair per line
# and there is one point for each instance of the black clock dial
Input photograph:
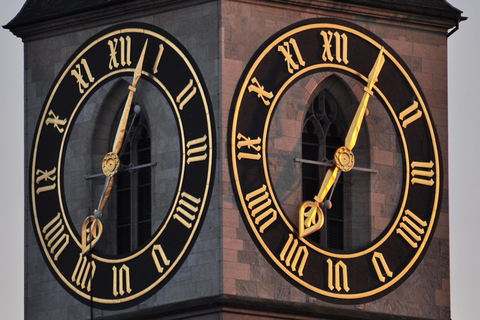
x,y
96,82
387,213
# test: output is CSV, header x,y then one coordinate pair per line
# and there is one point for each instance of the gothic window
x,y
133,187
324,131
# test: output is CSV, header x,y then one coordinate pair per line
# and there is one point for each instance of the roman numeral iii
x,y
422,173
196,149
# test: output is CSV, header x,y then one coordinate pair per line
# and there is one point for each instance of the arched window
x,y
133,187
324,131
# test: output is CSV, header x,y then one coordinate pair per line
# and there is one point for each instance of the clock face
x,y
334,161
157,157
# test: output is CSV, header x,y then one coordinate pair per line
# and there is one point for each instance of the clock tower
x,y
236,159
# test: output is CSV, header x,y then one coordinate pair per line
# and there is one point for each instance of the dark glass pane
x,y
335,234
144,141
123,180
336,212
310,146
332,143
310,188
144,229
125,156
144,203
123,239
143,156
310,181
144,176
310,171
330,107
123,208
318,109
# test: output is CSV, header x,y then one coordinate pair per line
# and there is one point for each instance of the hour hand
x,y
92,230
311,217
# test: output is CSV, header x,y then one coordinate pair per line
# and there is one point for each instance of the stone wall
x,y
245,26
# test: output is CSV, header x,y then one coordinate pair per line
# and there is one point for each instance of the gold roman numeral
x,y
341,47
56,121
292,250
411,228
410,114
260,91
44,175
292,66
157,252
183,97
57,239
121,280
422,173
341,278
77,73
378,256
158,58
84,271
125,49
197,150
251,144
259,203
186,209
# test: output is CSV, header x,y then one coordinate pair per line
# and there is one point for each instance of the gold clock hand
x,y
117,143
111,162
92,230
107,188
344,160
310,211
354,129
92,227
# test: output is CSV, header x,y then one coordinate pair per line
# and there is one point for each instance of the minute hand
x,y
117,143
352,134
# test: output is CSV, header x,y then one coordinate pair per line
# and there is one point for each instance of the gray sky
x,y
464,115
464,175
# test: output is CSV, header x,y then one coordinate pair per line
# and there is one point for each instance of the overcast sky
x,y
464,174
